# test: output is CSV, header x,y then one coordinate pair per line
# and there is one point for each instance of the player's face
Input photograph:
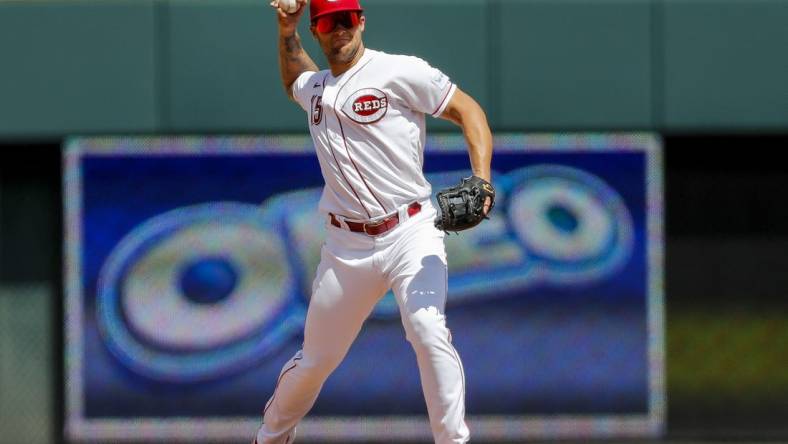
x,y
339,35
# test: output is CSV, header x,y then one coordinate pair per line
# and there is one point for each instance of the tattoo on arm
x,y
293,60
292,44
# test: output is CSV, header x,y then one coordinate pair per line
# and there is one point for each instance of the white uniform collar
x,y
368,54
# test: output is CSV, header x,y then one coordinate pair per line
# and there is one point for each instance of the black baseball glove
x,y
462,206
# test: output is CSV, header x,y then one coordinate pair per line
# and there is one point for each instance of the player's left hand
x,y
488,204
465,205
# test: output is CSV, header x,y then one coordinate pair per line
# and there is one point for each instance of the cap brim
x,y
316,16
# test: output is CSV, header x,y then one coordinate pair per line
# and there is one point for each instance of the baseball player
x,y
366,115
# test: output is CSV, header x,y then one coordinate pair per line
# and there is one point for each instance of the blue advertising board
x,y
189,262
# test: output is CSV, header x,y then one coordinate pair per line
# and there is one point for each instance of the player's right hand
x,y
289,21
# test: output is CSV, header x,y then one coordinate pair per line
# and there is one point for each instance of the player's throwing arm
x,y
293,60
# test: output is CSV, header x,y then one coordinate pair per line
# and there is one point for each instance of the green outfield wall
x,y
197,66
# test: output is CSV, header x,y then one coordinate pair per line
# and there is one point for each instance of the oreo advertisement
x,y
189,263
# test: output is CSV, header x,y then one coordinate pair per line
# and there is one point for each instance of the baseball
x,y
288,6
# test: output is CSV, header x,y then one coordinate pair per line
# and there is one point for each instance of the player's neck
x,y
337,69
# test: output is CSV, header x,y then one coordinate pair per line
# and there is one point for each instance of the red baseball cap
x,y
323,7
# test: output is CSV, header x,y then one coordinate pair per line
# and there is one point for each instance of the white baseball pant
x,y
355,271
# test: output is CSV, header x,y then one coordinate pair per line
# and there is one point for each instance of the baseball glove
x,y
462,206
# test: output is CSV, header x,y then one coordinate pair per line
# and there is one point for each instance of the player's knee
x,y
319,364
426,328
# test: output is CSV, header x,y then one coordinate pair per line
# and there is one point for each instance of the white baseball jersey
x,y
368,126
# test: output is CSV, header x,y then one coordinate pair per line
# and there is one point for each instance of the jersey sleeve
x,y
424,88
302,89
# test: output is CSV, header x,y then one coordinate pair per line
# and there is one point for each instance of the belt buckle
x,y
375,225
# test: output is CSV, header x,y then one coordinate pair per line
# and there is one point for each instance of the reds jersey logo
x,y
366,105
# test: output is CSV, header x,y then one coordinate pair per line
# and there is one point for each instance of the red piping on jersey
x,y
444,99
271,401
344,139
339,166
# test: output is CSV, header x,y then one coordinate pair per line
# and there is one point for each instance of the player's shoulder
x,y
401,67
315,75
401,60
311,79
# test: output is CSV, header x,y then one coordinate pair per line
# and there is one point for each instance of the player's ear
x,y
313,30
361,22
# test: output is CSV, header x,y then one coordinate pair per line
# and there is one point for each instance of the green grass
x,y
720,357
